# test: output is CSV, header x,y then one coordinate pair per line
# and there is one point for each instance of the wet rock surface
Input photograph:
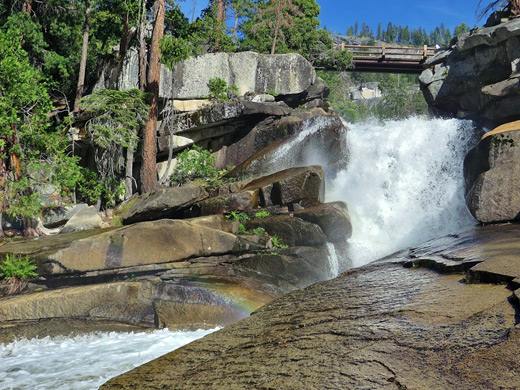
x,y
183,273
322,133
382,326
492,173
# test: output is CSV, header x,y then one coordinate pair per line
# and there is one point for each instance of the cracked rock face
x,y
286,74
383,326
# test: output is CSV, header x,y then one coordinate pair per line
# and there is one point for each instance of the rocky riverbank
x,y
440,316
199,256
189,273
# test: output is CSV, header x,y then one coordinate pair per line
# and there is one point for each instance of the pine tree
x,y
83,62
148,172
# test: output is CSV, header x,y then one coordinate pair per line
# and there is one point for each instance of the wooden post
x,y
342,46
383,51
425,52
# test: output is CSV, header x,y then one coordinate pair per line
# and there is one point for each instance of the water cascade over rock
x,y
403,184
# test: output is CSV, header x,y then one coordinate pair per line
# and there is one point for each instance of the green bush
x,y
259,231
196,163
262,214
271,92
237,216
219,90
16,271
277,243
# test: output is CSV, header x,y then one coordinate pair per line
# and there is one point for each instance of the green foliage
x,y
30,145
219,90
91,188
403,34
22,203
17,271
271,92
259,231
402,97
17,267
176,24
208,34
262,214
277,243
175,49
461,29
301,35
115,118
335,59
196,163
237,216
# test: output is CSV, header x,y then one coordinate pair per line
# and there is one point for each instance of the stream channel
x,y
403,185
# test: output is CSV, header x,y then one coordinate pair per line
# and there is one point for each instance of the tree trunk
x,y
514,7
194,8
220,22
124,39
278,22
148,174
233,37
3,199
273,48
129,171
220,11
83,61
27,7
142,49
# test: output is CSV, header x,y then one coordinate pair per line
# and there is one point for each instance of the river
x,y
403,185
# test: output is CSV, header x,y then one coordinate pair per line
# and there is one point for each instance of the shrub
x,y
271,92
16,271
277,243
262,214
237,216
219,90
259,231
196,163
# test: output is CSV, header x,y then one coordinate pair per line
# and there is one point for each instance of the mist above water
x,y
403,183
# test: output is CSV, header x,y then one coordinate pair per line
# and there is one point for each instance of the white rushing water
x,y
83,362
403,184
333,260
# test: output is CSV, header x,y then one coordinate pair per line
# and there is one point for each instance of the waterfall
x,y
83,362
333,260
403,183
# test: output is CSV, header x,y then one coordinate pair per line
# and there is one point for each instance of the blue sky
x,y
338,15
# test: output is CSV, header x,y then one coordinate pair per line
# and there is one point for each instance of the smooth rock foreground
x,y
389,325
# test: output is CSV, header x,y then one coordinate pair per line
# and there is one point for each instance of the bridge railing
x,y
388,52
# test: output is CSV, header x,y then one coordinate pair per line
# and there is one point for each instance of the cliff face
x,y
478,76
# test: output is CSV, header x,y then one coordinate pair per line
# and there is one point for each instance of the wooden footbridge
x,y
388,59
